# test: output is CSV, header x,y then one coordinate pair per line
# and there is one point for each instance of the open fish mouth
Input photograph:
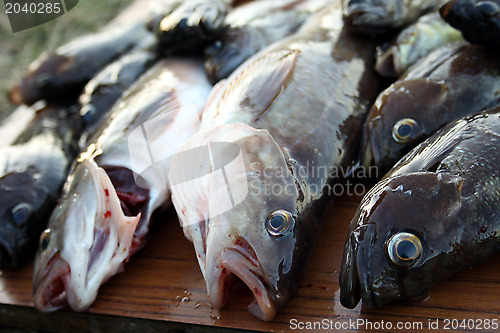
x,y
237,263
51,284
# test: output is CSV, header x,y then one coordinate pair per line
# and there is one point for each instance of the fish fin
x,y
255,87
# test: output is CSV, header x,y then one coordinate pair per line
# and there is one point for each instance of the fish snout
x,y
241,263
350,294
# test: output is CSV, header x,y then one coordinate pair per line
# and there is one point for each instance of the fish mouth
x,y
238,263
350,293
388,62
49,287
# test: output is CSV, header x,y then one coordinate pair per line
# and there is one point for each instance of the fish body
x,y
105,213
192,25
479,21
102,91
253,26
65,71
33,168
413,43
450,83
381,16
273,129
436,212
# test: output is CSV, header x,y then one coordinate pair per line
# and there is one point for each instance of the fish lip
x,y
445,8
237,262
350,294
362,16
57,270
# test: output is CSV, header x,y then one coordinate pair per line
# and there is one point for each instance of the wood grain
x,y
163,284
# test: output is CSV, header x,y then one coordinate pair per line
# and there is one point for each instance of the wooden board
x,y
163,284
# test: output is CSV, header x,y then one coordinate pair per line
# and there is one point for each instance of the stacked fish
x,y
210,105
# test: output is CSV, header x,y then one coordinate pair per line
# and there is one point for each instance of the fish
x,y
281,121
479,21
191,26
413,43
253,26
60,75
114,188
431,94
435,213
376,17
102,91
33,168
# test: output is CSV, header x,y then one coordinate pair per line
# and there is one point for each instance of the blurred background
x,y
18,50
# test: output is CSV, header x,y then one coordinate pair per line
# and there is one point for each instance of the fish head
x,y
233,47
24,216
402,116
465,15
255,239
371,16
87,241
398,241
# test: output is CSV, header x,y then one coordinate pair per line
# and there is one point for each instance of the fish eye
x,y
488,8
45,239
214,49
404,249
279,222
404,130
21,213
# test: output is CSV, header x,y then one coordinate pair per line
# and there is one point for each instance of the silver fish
x,y
414,43
105,214
281,121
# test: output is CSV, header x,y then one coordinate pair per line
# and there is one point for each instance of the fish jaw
x,y
238,262
368,16
50,285
96,238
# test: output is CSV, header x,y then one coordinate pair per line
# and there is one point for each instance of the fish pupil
x,y
488,8
404,130
406,250
277,222
21,213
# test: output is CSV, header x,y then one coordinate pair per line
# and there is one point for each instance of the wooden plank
x,y
163,286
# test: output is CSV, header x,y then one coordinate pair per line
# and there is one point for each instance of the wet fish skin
x,y
479,21
374,17
191,26
445,192
64,72
115,187
253,26
431,94
32,171
102,91
261,108
413,43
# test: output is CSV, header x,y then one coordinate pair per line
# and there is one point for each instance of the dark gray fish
x,y
253,26
381,16
413,43
32,171
284,122
64,72
436,212
111,189
448,84
108,85
478,20
192,26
